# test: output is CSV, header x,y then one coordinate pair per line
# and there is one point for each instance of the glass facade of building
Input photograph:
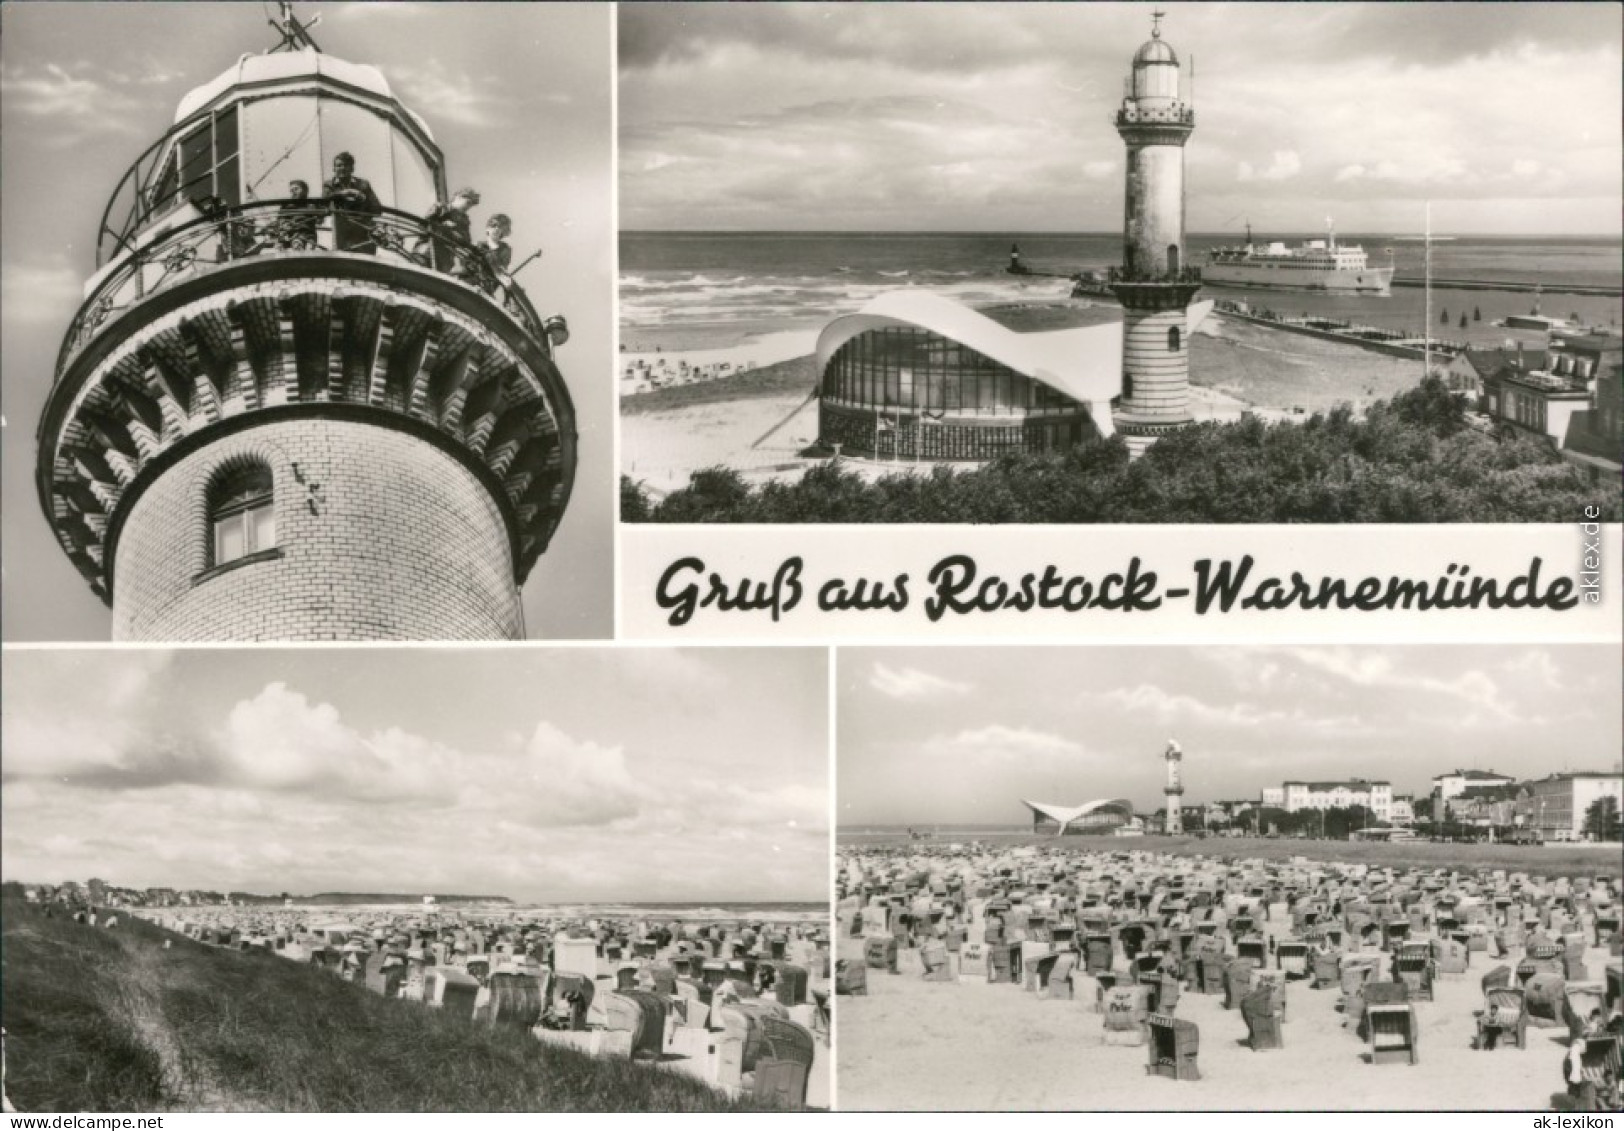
x,y
905,392
900,367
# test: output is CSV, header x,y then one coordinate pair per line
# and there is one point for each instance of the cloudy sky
x,y
988,117
519,99
540,774
931,735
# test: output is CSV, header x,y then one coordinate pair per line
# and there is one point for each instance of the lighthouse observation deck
x,y
238,282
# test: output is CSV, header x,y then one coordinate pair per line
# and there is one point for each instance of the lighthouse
x,y
1154,283
1173,791
292,407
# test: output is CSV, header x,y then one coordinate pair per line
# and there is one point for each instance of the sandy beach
x,y
707,414
912,1045
644,370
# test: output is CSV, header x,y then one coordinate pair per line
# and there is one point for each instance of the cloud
x,y
281,788
440,94
65,748
1002,743
377,9
1316,126
1536,664
40,291
53,93
281,740
578,783
890,154
976,37
1285,165
913,685
1377,670
1169,707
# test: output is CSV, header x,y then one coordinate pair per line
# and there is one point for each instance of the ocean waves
x,y
672,299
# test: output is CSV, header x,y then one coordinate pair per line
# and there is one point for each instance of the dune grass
x,y
110,1020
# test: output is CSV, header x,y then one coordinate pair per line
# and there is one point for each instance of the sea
x,y
805,911
951,831
693,290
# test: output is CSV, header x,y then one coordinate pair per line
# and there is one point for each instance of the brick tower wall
x,y
380,536
1161,376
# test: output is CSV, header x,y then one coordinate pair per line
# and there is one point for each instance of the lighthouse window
x,y
242,513
203,163
1173,339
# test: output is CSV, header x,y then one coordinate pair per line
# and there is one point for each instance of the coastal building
x,y
1454,783
1402,811
1470,370
1488,806
917,376
1154,284
1568,394
1594,439
1093,817
289,408
1556,805
1377,796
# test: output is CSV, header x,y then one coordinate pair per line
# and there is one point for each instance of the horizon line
x,y
1614,236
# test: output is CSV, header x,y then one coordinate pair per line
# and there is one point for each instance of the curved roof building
x,y
915,375
1091,817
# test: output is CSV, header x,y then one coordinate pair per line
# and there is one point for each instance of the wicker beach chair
x,y
516,1000
851,979
1414,966
1126,1009
1291,955
1503,1019
1174,1047
1256,948
881,954
1263,1011
1600,1066
1582,1004
1393,1033
1237,981
1545,996
784,1064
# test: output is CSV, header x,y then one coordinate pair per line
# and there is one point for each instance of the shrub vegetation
x,y
1412,459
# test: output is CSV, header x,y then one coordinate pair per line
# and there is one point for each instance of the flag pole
x,y
1426,341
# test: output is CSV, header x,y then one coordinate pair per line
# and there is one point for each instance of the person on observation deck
x,y
450,229
496,251
297,219
352,200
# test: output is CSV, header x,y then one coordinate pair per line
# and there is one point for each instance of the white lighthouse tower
x,y
1173,791
1154,284
290,407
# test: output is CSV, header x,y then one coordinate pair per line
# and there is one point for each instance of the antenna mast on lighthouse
x,y
295,35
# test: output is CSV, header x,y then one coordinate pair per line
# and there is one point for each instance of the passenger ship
x,y
1317,265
